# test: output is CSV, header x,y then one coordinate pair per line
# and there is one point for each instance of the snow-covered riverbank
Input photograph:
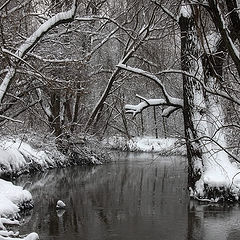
x,y
220,179
12,200
164,146
24,155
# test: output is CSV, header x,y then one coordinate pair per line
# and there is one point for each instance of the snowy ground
x,y
27,154
172,146
12,198
18,157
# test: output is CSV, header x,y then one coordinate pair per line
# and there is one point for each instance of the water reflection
x,y
214,221
133,198
137,197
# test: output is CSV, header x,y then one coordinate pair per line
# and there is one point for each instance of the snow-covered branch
x,y
30,42
172,103
53,60
169,99
135,109
4,4
59,18
10,119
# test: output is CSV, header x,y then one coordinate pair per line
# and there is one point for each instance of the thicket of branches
x,y
71,66
55,80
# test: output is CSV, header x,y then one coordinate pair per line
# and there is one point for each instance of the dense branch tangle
x,y
136,38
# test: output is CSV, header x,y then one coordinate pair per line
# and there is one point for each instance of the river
x,y
138,196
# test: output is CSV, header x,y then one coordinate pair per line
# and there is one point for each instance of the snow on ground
x,y
24,153
147,144
17,156
220,174
12,198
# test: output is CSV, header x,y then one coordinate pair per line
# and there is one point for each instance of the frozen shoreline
x,y
19,155
164,146
12,200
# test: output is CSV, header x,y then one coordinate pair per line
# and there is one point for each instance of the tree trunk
x,y
211,173
193,95
55,120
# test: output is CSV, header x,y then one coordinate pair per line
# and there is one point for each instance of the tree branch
x,y
59,18
169,100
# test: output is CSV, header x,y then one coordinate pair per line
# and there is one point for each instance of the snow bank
x,y
12,198
220,179
18,157
147,144
36,154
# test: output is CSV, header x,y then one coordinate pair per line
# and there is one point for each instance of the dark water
x,y
134,198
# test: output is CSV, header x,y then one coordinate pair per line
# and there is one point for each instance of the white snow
x,y
60,204
217,169
147,144
185,10
29,152
11,197
16,156
32,236
135,109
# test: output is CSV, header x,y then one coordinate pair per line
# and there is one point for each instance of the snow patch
x,y
185,11
147,144
11,198
17,156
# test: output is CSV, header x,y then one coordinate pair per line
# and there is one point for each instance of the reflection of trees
x,y
213,221
234,234
117,196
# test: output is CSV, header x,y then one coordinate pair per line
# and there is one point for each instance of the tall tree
x,y
203,52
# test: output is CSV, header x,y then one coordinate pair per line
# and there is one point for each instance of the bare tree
x,y
203,53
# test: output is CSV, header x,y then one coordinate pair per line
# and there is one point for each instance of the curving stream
x,y
139,196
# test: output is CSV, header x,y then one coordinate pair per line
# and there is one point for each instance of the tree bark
x,y
210,169
192,94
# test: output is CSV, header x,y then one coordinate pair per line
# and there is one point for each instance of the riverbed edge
x,y
24,154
